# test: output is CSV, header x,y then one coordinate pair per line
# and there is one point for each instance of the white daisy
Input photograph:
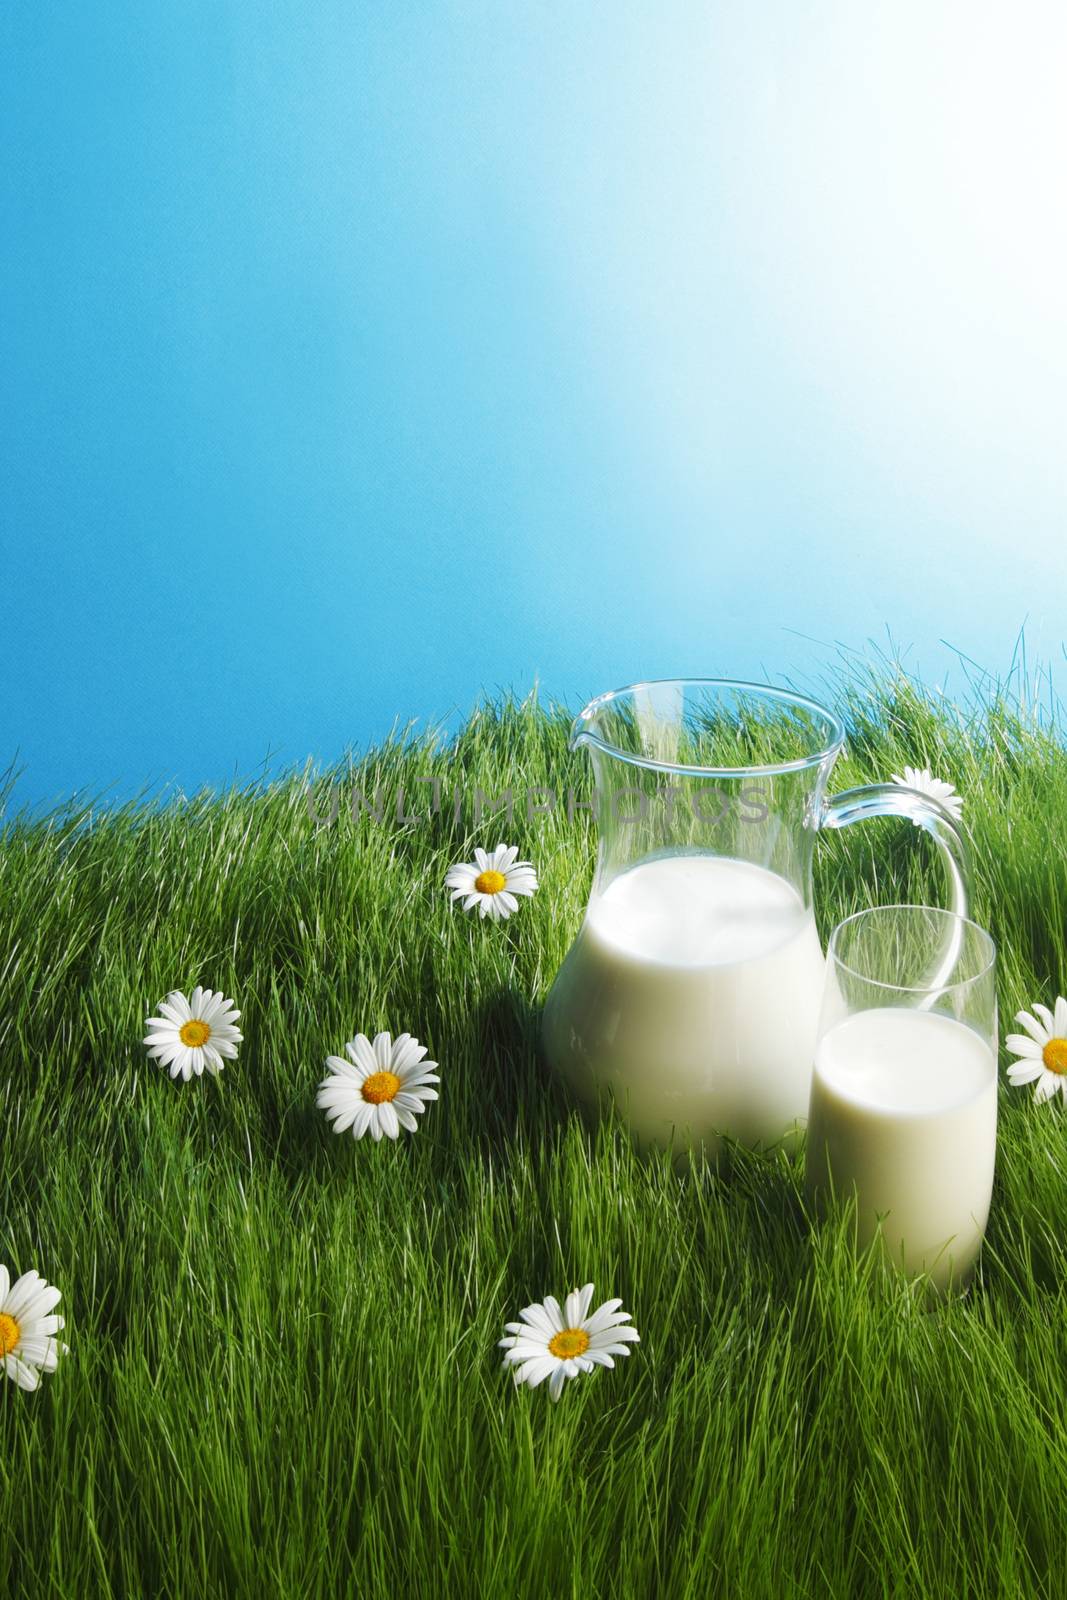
x,y
193,1035
382,1089
557,1345
28,1327
1042,1050
491,882
922,778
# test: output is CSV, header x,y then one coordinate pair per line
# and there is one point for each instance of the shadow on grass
x,y
521,1098
744,1204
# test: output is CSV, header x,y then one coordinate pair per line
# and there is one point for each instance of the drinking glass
x,y
903,1111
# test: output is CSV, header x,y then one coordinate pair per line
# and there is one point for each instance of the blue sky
x,y
358,359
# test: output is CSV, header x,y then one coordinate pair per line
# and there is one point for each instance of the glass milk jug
x,y
691,995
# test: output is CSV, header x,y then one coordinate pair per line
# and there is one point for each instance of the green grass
x,y
283,1377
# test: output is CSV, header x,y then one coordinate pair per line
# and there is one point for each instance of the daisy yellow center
x,y
490,882
571,1342
194,1033
9,1334
1054,1055
380,1086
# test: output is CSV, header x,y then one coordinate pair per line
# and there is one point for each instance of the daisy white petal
x,y
1022,1046
362,1118
38,1352
37,1303
610,1326
413,1102
524,1349
555,1312
603,1314
421,1090
410,1058
22,1293
617,1338
412,1071
1037,1031
922,778
538,1317
535,1372
362,1052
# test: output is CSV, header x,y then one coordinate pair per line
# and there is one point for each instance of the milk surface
x,y
904,1111
692,997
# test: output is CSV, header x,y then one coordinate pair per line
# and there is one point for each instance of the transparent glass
x,y
691,995
903,1113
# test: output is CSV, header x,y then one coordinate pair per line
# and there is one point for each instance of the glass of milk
x,y
903,1113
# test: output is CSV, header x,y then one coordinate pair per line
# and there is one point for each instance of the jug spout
x,y
584,727
580,734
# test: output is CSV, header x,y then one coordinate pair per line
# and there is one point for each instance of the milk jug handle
x,y
894,800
